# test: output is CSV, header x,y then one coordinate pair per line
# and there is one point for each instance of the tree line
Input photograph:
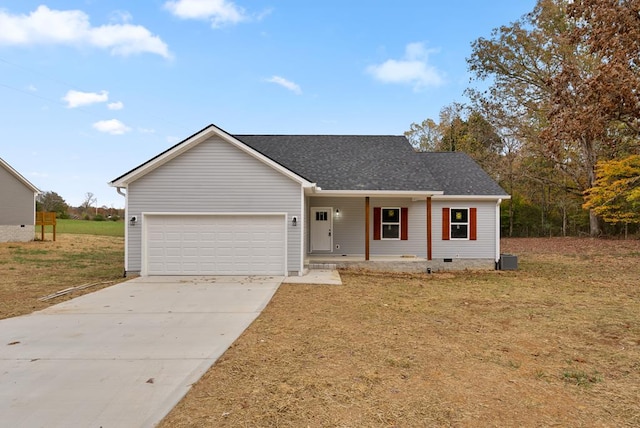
x,y
554,117
51,201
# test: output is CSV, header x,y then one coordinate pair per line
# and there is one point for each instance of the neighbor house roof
x,y
19,176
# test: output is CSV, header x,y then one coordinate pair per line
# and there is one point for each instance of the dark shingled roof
x,y
459,174
373,162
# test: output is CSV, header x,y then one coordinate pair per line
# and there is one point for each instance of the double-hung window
x,y
459,223
390,223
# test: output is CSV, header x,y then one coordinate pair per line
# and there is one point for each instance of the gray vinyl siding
x,y
17,204
348,227
349,233
482,248
214,177
416,245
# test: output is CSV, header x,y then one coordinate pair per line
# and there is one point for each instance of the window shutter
x,y
404,224
446,229
377,221
473,221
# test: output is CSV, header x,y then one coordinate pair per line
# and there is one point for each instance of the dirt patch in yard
x,y
31,270
556,343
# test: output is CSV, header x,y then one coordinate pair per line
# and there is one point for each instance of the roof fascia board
x,y
377,193
471,197
19,176
193,141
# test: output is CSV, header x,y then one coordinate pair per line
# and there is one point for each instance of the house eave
x,y
375,193
124,180
473,197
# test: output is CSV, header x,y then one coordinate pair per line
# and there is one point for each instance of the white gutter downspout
x,y
303,225
498,230
126,230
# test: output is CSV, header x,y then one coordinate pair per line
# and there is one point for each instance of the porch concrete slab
x,y
316,276
125,355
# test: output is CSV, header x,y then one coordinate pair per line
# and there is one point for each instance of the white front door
x,y
321,229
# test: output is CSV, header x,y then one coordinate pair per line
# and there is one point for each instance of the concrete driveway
x,y
125,355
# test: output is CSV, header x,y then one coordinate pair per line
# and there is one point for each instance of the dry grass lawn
x,y
31,270
556,343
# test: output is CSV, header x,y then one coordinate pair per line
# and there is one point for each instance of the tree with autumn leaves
x,y
616,193
561,89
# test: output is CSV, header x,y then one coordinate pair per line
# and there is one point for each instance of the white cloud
x,y
146,130
117,105
78,99
32,88
293,87
120,16
112,126
72,27
413,69
219,12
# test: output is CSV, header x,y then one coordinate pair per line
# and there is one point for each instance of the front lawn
x,y
556,343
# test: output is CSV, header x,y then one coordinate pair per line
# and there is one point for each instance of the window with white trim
x,y
390,223
459,223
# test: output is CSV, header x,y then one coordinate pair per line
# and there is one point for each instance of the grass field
x,y
84,227
556,343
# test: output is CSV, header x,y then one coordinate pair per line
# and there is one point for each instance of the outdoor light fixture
x,y
294,221
133,220
337,212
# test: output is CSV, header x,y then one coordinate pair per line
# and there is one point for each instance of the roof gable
x,y
192,141
19,176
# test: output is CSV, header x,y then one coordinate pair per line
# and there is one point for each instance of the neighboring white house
x,y
226,204
17,206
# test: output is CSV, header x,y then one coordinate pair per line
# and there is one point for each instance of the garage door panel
x,y
215,244
170,236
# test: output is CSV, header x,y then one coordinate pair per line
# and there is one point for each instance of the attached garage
x,y
214,244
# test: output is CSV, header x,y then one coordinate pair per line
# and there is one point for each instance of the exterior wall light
x,y
133,220
294,221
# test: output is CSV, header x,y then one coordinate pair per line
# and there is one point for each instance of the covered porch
x,y
387,227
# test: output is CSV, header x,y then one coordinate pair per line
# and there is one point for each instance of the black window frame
x,y
459,226
397,212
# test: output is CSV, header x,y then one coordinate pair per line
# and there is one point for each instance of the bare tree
x,y
89,201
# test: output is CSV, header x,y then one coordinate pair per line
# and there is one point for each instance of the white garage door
x,y
215,244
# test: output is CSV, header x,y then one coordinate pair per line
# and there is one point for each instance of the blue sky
x,y
89,89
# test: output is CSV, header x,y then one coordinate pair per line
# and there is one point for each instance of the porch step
x,y
323,266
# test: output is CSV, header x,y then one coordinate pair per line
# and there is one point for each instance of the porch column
x,y
429,248
366,228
